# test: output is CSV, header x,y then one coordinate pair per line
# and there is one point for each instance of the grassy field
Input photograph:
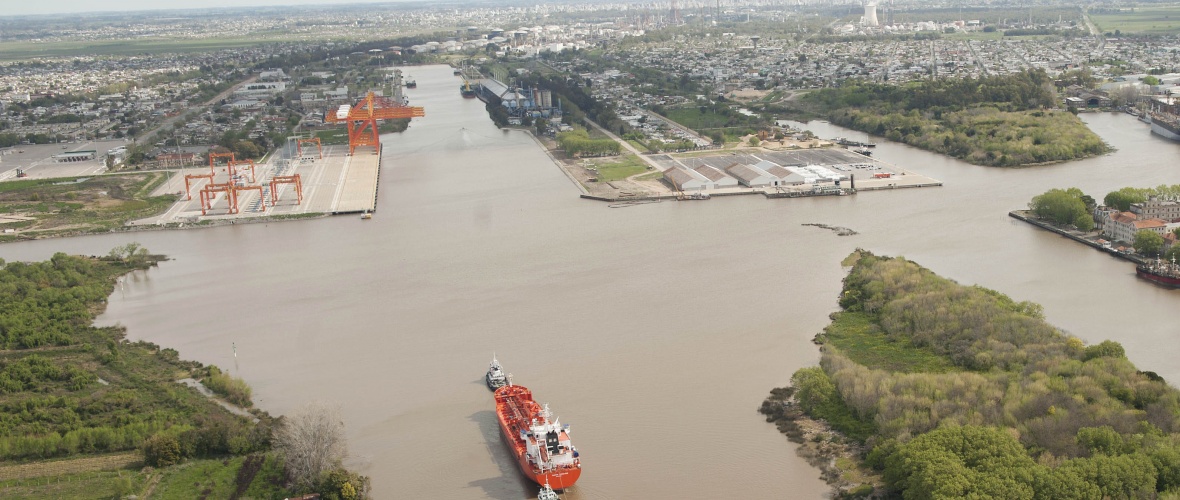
x,y
221,479
620,168
99,484
54,207
332,136
694,119
1152,20
256,476
859,339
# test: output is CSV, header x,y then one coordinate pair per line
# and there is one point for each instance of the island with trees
x,y
1003,121
85,413
932,389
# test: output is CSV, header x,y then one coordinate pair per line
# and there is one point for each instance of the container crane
x,y
362,119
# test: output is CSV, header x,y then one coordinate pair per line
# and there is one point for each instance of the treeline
x,y
1123,198
578,143
1026,412
991,120
1026,90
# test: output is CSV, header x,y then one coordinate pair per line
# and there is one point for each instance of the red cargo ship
x,y
542,448
1162,272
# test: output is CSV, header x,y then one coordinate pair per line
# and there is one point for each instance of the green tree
x,y
1123,198
1123,476
962,462
1173,253
1101,440
1105,349
813,388
161,450
1148,242
1063,206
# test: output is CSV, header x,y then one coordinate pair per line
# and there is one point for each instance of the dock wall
x,y
1020,215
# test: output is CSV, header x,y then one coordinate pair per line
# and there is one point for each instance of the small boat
x,y
547,493
411,83
542,446
366,215
495,378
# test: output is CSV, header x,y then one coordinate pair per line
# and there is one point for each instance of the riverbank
x,y
131,227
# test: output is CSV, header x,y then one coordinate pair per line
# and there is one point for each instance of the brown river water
x,y
654,330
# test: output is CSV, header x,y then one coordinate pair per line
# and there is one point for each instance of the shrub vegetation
x,y
69,389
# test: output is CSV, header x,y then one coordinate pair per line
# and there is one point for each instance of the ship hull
x,y
1163,130
1167,281
558,479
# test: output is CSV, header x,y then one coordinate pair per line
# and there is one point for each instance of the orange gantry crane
x,y
314,140
209,195
214,156
189,177
362,119
285,179
238,189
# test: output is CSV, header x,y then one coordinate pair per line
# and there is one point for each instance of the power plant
x,y
871,14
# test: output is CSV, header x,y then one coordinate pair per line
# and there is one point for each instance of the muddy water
x,y
653,330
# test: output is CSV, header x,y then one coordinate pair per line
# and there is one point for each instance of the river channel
x,y
654,330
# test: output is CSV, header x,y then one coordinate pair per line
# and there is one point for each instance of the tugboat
x,y
411,83
542,446
1161,271
495,377
547,493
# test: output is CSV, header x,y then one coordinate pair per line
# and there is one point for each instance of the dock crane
x,y
362,119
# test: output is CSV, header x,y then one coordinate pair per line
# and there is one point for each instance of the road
x,y
626,145
166,124
1099,39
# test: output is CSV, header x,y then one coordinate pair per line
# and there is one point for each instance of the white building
x,y
751,175
685,179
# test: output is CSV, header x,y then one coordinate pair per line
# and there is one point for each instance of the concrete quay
x,y
338,183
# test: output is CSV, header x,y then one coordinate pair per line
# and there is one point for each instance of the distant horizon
x,y
59,7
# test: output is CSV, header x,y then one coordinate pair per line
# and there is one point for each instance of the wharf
x,y
338,183
1073,235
